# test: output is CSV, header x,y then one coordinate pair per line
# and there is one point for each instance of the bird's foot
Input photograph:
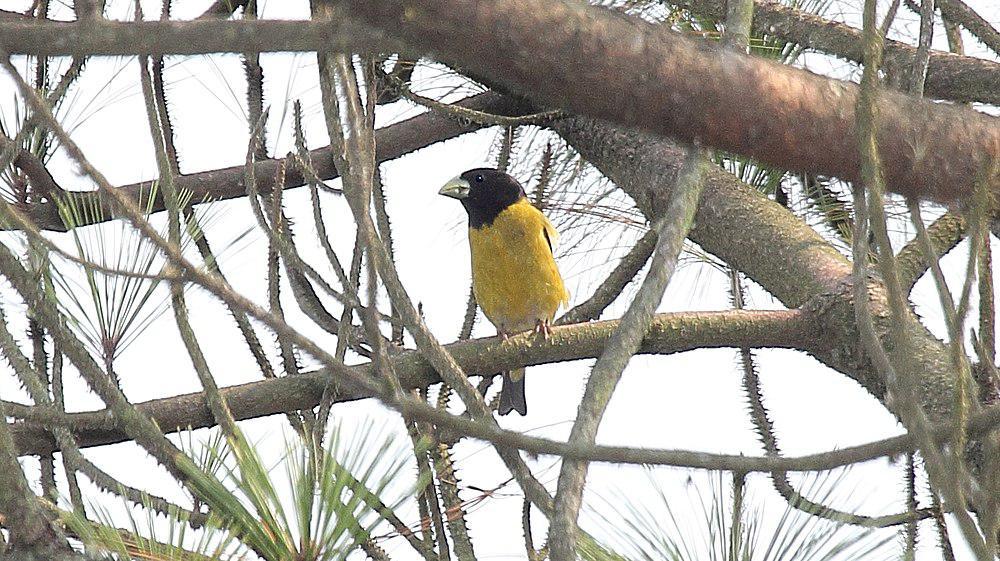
x,y
543,328
504,336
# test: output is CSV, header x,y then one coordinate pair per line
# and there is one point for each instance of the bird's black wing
x,y
545,233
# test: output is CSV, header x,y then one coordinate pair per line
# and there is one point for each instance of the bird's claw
x,y
543,328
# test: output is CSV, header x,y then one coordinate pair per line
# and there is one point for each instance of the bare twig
x,y
944,474
178,302
918,73
612,286
671,232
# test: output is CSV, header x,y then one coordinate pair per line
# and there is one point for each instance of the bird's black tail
x,y
512,393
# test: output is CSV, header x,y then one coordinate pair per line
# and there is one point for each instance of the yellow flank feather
x,y
514,275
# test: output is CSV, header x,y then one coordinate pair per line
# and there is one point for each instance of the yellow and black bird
x,y
514,275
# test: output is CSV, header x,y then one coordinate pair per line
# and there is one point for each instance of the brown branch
x,y
669,333
926,144
769,244
979,424
951,77
945,233
670,84
955,78
960,13
201,36
392,142
38,175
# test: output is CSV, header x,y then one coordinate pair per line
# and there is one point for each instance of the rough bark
x,y
602,64
949,76
119,38
669,333
770,245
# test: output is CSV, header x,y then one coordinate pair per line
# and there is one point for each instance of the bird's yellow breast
x,y
514,276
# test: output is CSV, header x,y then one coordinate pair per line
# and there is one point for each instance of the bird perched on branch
x,y
514,275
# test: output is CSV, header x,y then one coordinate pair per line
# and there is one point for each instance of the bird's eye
x,y
479,179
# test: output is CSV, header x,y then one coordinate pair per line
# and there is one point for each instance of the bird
x,y
514,275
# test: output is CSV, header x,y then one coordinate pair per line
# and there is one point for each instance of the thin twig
x,y
910,529
466,115
671,232
210,260
214,398
612,286
918,73
943,473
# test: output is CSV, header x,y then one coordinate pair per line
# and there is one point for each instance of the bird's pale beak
x,y
457,188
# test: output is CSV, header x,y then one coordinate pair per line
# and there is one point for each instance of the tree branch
x,y
960,13
670,84
392,142
979,424
766,242
671,231
201,36
735,222
952,77
669,333
31,533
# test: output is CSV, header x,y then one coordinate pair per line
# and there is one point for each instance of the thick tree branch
x,y
960,13
952,77
768,243
669,333
734,221
201,36
926,145
602,64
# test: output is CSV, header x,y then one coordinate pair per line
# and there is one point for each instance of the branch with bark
x,y
392,141
634,73
669,333
949,76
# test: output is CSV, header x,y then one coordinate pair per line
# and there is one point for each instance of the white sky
x,y
692,401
